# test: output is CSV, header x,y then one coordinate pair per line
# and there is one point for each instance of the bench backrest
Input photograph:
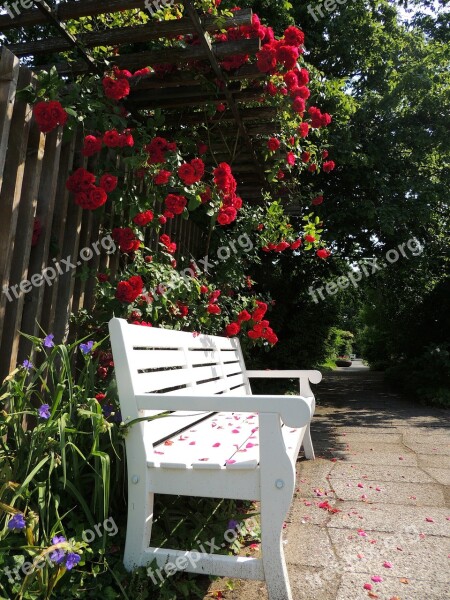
x,y
163,361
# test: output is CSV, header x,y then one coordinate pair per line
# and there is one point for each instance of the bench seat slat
x,y
157,359
209,444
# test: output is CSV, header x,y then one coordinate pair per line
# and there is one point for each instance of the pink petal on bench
x,y
250,445
216,445
203,459
230,462
192,443
235,431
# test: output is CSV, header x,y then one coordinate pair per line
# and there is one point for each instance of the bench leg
x,y
307,444
275,570
139,526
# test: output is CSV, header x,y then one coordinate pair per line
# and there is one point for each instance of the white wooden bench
x,y
219,441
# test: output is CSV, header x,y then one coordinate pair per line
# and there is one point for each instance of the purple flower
x,y
58,539
57,556
72,559
44,411
48,341
27,365
233,524
17,522
87,347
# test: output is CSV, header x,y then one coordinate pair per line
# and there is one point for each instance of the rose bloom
x,y
288,55
305,156
226,215
187,174
125,238
49,115
116,89
295,245
290,158
108,182
317,201
175,204
213,309
329,166
92,145
111,138
162,178
294,36
128,291
92,198
303,129
323,253
80,181
302,76
232,329
144,218
273,144
299,105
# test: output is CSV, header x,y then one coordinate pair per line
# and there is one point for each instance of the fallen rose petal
x,y
360,485
372,595
387,565
367,586
404,580
429,520
376,579
362,533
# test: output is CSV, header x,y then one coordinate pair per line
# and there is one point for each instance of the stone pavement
x,y
384,464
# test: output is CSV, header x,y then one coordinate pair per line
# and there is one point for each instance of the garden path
x,y
384,463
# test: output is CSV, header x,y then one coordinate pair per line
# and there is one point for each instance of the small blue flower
x,y
233,524
48,341
27,365
17,522
72,559
87,347
57,556
44,411
58,539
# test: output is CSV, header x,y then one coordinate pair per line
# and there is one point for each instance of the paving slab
x,y
344,470
442,476
432,449
390,492
309,545
435,461
401,520
371,437
409,555
403,458
391,588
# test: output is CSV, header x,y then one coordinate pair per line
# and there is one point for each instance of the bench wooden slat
x,y
155,359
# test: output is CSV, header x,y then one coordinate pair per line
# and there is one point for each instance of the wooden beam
x,y
242,96
126,35
164,56
209,49
71,40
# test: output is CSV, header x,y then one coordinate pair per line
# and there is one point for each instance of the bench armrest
x,y
304,377
295,411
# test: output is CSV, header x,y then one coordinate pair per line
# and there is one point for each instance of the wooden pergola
x,y
236,135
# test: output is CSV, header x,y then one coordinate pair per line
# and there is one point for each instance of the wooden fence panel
x,y
33,172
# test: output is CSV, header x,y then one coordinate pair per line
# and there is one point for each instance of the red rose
x,y
49,115
214,296
182,309
305,156
295,245
273,144
121,73
271,89
162,220
288,55
267,58
301,92
232,329
323,253
144,218
291,81
202,148
294,36
204,289
108,182
102,277
125,238
162,178
92,145
175,204
290,158
310,238
325,154
226,215
329,166
312,168
126,139
299,105
213,309
317,201
243,316
282,246
221,107
91,199
128,291
116,89
206,195
171,247
303,129
111,138
187,174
